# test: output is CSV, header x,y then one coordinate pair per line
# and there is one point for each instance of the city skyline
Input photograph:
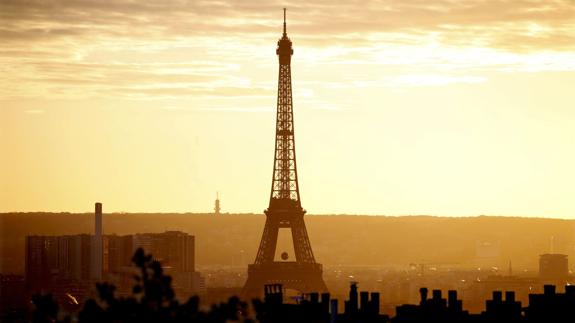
x,y
413,108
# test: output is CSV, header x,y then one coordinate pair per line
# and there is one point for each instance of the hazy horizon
x,y
409,107
231,213
346,240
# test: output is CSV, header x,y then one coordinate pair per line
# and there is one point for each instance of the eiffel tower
x,y
284,210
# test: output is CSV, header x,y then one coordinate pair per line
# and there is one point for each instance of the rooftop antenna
x,y
217,208
285,32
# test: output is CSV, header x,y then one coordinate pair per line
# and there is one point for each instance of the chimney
x,y
325,297
364,301
353,299
314,298
497,296
452,298
423,293
374,303
97,254
98,213
333,311
436,294
510,296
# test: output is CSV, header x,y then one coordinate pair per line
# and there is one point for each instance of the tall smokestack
x,y
98,213
97,253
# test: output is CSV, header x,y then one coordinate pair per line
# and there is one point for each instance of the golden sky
x,y
401,107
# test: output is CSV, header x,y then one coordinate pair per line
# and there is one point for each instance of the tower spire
x,y
285,31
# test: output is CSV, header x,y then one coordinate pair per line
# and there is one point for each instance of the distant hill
x,y
233,239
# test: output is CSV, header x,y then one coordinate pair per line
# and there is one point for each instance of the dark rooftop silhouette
x,y
153,300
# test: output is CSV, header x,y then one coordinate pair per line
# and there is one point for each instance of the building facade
x,y
55,261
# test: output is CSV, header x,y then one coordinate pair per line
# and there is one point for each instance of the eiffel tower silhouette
x,y
284,211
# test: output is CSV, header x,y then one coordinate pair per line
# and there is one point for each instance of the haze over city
x,y
432,183
401,108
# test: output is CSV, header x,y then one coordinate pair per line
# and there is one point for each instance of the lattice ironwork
x,y
284,181
285,209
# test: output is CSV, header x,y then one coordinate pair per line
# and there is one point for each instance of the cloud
x,y
209,48
43,20
435,80
218,109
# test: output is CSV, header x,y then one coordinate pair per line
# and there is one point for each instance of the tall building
x,y
62,262
303,274
50,259
174,249
118,252
37,271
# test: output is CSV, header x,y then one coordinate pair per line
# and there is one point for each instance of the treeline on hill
x,y
233,239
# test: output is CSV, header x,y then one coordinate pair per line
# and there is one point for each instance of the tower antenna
x,y
217,208
285,32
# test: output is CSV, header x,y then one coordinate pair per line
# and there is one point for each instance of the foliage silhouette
x,y
152,300
45,309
